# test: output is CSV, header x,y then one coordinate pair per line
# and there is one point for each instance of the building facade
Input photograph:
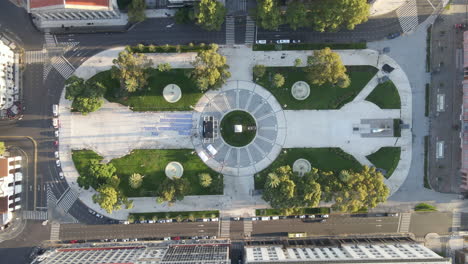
x,y
9,77
69,13
11,179
167,252
368,250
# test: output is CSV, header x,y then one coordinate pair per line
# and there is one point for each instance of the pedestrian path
x,y
405,221
225,227
456,221
35,215
249,31
230,30
50,40
55,231
35,56
408,16
67,199
248,227
62,66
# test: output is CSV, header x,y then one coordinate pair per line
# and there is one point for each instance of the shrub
x,y
278,80
424,207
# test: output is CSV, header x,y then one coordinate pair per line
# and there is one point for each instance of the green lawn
x,y
321,97
386,158
385,95
150,98
325,159
237,118
151,164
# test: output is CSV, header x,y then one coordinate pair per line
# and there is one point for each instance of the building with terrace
x,y
59,13
348,250
10,187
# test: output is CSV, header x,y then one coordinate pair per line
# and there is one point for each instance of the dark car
x,y
393,35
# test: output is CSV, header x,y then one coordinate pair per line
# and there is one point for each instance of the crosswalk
x,y
55,231
456,221
225,227
248,227
62,66
35,56
249,31
67,199
230,30
408,16
67,46
405,221
35,215
51,198
50,40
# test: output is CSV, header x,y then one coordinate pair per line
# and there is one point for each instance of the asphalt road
x,y
335,225
92,232
430,222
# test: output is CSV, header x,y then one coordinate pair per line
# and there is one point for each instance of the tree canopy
x,y
135,180
136,11
210,69
107,198
131,70
296,15
173,190
86,96
205,179
209,14
2,148
259,70
325,66
268,14
330,15
349,190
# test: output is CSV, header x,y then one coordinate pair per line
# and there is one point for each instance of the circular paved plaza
x,y
262,150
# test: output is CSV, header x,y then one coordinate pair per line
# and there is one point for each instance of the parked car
x,y
150,222
56,143
161,221
167,238
205,220
214,219
283,41
265,218
61,175
254,218
135,239
176,238
302,216
56,133
392,214
125,239
169,221
261,41
126,222
55,122
55,110
311,216
236,218
99,216
275,218
324,216
56,154
296,41
393,35
57,162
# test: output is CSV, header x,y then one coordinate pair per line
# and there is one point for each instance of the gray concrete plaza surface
x,y
115,130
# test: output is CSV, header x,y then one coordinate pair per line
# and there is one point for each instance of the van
x,y
55,110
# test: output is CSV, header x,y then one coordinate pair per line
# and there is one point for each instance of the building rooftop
x,y
34,4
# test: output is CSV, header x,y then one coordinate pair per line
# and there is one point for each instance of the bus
x,y
296,235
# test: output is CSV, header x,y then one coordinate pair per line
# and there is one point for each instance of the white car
x,y
283,41
57,162
311,216
206,220
55,123
302,216
254,218
91,211
167,238
169,221
150,222
325,216
261,41
56,154
214,219
61,175
275,218
56,133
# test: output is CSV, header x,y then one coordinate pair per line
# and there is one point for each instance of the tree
x,y
296,15
164,67
191,217
297,62
209,14
268,14
326,67
205,179
107,198
131,69
74,86
135,180
273,180
332,14
173,190
2,148
179,218
363,189
210,69
86,105
184,15
103,173
259,71
136,11
278,80
131,219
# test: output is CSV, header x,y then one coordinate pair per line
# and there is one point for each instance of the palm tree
x,y
135,180
273,180
205,179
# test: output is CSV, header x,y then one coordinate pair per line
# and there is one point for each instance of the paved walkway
x,y
114,130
